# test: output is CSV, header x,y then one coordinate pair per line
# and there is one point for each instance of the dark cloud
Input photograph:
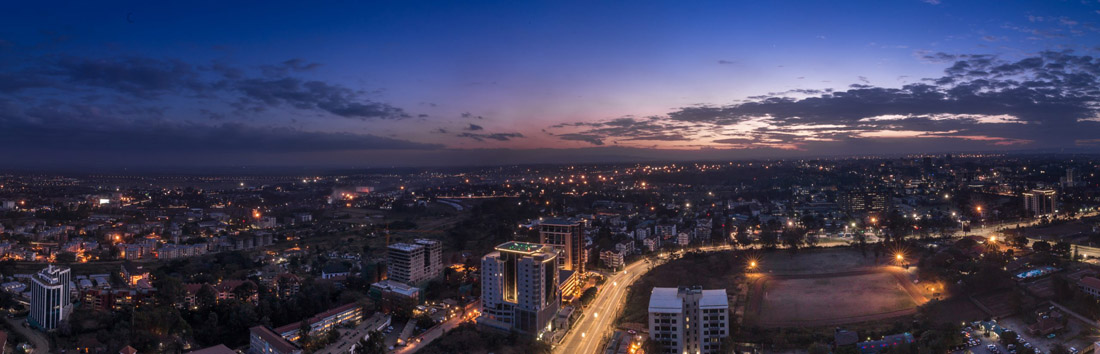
x,y
1040,101
726,62
338,100
588,138
468,115
287,67
68,128
150,78
141,77
491,136
474,127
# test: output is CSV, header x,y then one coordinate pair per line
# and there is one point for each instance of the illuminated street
x,y
587,334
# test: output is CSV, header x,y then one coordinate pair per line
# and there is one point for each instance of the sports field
x,y
831,299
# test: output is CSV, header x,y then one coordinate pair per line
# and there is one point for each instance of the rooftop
x,y
560,222
275,340
217,349
714,298
665,300
406,247
520,247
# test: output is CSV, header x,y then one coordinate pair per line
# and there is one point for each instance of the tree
x,y
1009,337
742,237
1041,246
170,290
769,238
818,348
811,241
303,333
588,295
1018,241
793,237
206,296
372,343
1061,249
65,257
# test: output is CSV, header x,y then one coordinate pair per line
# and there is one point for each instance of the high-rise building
x,y
1040,202
568,235
519,288
49,297
862,201
1070,180
688,319
415,263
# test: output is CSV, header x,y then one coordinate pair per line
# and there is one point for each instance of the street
x,y
433,333
599,316
40,342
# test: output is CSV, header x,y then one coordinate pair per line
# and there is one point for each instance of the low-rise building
x,y
324,322
393,295
263,340
884,344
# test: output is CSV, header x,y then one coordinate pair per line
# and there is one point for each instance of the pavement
x,y
982,347
433,333
588,333
349,337
39,340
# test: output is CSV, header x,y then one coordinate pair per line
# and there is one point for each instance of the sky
x,y
412,83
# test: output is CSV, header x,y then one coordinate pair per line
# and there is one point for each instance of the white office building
x,y
688,320
49,297
415,263
519,288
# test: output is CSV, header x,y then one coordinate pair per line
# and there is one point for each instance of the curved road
x,y
587,335
41,344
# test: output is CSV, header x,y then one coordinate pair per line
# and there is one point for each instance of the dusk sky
x,y
363,84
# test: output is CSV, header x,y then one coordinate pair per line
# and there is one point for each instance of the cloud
x,y
152,78
588,138
933,2
334,99
491,136
474,127
1039,101
141,77
289,66
71,129
726,62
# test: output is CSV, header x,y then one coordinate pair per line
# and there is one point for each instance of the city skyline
x,y
428,84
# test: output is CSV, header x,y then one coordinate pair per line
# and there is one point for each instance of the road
x,y
41,344
434,333
587,334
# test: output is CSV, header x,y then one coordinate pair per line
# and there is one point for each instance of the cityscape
x,y
415,177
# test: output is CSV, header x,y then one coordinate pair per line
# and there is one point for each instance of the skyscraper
x,y
1040,202
688,320
567,234
414,263
49,297
519,283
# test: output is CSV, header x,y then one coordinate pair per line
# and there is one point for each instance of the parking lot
x,y
979,344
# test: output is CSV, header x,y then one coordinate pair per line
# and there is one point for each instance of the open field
x,y
717,270
830,300
829,260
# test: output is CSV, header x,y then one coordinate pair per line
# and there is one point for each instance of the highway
x,y
587,335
